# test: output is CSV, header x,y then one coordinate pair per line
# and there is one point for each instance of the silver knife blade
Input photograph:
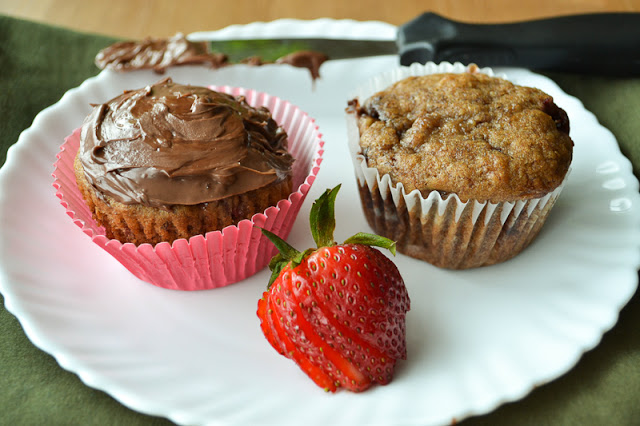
x,y
600,43
272,49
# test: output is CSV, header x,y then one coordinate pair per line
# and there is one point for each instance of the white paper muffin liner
x,y
445,232
217,258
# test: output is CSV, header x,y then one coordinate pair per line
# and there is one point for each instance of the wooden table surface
x,y
135,19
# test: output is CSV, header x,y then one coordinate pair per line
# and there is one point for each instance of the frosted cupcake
x,y
169,167
172,161
461,168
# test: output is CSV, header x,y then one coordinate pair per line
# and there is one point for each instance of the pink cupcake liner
x,y
217,258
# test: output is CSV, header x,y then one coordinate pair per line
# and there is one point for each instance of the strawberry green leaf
x,y
287,255
276,261
322,218
276,265
300,257
372,240
287,252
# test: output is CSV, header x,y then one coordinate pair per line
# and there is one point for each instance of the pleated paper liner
x,y
443,231
218,258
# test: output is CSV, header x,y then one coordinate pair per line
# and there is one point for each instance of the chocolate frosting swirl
x,y
170,144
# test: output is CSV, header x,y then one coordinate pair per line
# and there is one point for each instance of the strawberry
x,y
338,310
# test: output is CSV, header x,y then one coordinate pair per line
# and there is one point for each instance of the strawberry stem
x,y
285,249
322,218
372,240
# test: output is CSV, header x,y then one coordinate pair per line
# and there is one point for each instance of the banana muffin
x,y
171,161
476,162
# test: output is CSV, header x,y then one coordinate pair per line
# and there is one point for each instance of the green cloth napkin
x,y
38,63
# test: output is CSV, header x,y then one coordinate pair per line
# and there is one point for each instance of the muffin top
x,y
477,136
169,144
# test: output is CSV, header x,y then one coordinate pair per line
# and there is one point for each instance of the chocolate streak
x,y
171,144
305,59
158,54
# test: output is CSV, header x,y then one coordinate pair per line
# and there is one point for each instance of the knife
x,y
599,43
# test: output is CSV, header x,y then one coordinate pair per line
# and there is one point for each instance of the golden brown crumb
x,y
478,136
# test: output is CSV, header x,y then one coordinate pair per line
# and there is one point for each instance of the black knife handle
x,y
601,43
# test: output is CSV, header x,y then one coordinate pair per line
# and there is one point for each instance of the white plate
x,y
476,338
